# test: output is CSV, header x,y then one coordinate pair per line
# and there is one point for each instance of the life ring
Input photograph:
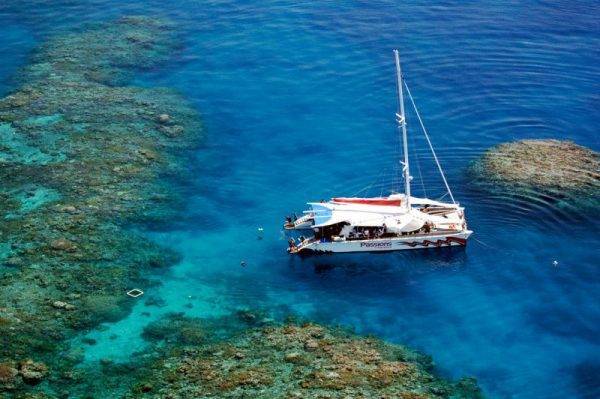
x,y
452,227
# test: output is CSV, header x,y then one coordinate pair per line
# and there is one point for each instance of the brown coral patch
x,y
8,373
544,164
254,377
275,362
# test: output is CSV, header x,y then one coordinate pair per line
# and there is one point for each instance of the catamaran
x,y
374,224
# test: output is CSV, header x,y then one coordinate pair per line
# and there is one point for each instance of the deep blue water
x,y
298,104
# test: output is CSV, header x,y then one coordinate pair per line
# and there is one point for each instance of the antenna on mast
x,y
401,118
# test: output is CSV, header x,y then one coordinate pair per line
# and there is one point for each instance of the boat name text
x,y
386,244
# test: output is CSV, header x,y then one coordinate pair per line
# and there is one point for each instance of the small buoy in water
x,y
555,263
243,263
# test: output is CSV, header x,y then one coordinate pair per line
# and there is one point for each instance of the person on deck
x,y
292,244
427,227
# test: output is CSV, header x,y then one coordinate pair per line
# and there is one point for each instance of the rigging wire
x,y
429,141
412,139
377,180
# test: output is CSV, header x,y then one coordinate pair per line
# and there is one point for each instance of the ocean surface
x,y
298,102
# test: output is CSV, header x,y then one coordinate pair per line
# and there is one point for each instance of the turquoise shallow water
x,y
298,102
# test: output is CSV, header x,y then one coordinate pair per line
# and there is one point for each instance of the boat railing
x,y
384,236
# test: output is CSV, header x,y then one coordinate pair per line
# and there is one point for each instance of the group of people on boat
x,y
356,233
359,233
367,233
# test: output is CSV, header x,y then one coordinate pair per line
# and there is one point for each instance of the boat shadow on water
x,y
347,285
428,258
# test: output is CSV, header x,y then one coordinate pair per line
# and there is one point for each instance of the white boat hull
x,y
435,240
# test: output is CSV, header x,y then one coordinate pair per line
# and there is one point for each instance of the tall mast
x,y
402,125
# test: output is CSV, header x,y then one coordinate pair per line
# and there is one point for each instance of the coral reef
x,y
546,166
83,158
177,329
292,361
28,371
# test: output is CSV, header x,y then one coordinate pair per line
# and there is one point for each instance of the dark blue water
x,y
298,103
